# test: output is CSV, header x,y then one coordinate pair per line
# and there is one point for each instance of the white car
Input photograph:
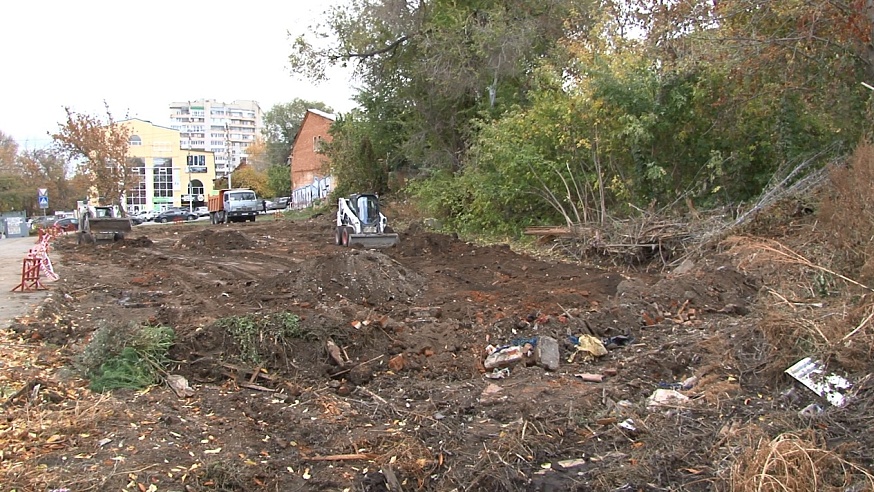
x,y
201,211
146,215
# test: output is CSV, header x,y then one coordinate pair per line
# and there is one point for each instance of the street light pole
x,y
190,197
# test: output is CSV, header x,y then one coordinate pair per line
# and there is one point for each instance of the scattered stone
x,y
590,378
546,353
685,267
396,363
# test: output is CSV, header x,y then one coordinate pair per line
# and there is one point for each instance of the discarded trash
x,y
505,356
499,373
686,384
665,397
590,346
811,373
179,385
811,411
617,341
628,424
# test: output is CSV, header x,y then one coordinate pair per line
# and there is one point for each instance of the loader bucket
x,y
373,240
109,225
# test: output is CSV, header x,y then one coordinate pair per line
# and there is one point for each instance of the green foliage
x,y
254,334
132,359
279,180
506,115
358,162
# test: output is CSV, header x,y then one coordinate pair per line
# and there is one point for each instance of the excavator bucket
x,y
373,240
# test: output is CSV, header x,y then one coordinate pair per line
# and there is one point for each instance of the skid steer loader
x,y
360,223
100,224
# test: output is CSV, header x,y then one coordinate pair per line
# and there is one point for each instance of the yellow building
x,y
170,176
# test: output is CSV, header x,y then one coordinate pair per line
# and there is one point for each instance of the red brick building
x,y
307,163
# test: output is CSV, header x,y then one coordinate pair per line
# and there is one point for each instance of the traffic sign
x,y
43,201
42,192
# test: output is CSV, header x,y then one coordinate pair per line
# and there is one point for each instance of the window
x,y
136,196
196,163
195,188
163,178
135,140
240,196
317,143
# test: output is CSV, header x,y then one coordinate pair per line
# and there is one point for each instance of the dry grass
x,y
795,462
847,210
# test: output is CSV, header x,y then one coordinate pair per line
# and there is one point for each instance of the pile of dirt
x,y
212,239
140,242
365,277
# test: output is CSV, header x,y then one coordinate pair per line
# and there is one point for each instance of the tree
x,y
256,154
44,168
279,180
437,65
245,176
100,146
8,152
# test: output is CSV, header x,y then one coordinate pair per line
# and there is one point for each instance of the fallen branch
x,y
344,371
257,387
24,389
341,457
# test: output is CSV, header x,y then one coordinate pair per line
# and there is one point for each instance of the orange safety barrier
x,y
30,270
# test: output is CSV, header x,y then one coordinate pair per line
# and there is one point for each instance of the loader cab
x,y
366,208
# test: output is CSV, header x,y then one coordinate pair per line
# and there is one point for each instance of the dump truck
x,y
100,224
233,205
360,223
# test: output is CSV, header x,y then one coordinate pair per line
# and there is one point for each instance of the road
x,y
15,304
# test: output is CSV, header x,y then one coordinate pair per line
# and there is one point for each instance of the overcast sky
x,y
141,56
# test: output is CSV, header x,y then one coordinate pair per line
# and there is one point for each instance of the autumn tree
x,y
100,147
256,154
245,176
8,152
44,168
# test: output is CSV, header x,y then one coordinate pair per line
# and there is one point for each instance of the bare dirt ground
x,y
411,407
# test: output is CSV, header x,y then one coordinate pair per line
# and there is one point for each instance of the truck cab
x,y
233,205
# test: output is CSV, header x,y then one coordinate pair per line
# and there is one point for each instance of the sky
x,y
139,57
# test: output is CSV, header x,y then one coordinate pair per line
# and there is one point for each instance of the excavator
x,y
100,224
360,223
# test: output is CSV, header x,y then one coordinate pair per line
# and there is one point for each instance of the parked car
x,y
175,214
145,215
70,224
279,203
201,211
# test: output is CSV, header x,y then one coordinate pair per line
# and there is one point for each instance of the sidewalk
x,y
15,304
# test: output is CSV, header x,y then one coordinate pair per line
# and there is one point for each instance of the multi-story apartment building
x,y
169,175
225,129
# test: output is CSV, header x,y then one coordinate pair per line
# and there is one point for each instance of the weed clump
x,y
131,357
254,334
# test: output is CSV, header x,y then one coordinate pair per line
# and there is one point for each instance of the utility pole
x,y
190,188
228,147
